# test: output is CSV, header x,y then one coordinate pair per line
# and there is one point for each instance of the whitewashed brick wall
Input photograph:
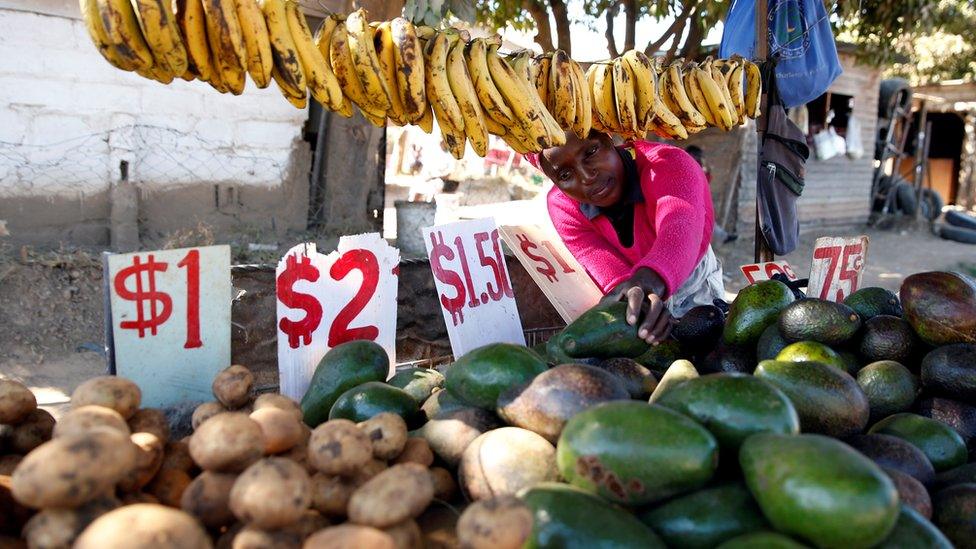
x,y
67,118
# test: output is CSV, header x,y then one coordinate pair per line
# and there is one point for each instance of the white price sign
x,y
473,284
170,314
838,264
326,300
756,272
557,273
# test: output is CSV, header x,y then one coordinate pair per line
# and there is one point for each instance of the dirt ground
x,y
51,320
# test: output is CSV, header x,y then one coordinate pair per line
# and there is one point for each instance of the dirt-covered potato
x,y
338,447
143,526
252,537
82,419
69,471
150,420
387,432
8,463
58,528
280,429
299,454
232,386
330,494
168,486
208,499
350,536
281,402
176,455
148,460
406,535
204,412
32,431
13,514
16,401
395,495
416,450
272,493
445,488
502,522
372,468
228,442
113,392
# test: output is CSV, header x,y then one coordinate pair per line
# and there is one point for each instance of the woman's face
x,y
587,170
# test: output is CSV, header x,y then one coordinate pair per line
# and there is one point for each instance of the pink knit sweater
x,y
672,227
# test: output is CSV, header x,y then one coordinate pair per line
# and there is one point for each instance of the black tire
x,y
957,234
905,198
887,93
931,204
961,219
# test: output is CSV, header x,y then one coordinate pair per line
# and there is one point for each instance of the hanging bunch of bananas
x,y
563,88
631,95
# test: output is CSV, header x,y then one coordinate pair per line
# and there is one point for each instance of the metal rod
x,y
762,251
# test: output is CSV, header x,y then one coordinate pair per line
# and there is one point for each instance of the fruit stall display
x,y
405,74
782,422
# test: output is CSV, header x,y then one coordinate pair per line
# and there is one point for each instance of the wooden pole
x,y
762,251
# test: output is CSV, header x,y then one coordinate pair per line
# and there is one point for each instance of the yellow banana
x,y
604,103
426,120
522,65
365,62
408,57
542,77
563,91
644,85
753,88
323,43
715,71
713,96
383,43
467,99
96,30
157,73
193,27
442,100
732,69
122,30
623,92
297,97
226,42
216,82
519,98
492,102
521,62
583,120
667,121
671,89
318,73
257,42
345,72
162,34
286,66
590,76
695,95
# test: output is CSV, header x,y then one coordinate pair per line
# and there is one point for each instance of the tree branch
x,y
563,37
610,15
676,28
677,39
694,40
630,11
537,10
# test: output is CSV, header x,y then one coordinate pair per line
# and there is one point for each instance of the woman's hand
x,y
643,293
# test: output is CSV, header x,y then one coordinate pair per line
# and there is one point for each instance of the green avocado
x,y
706,518
889,386
954,512
911,492
939,442
913,531
602,332
762,540
819,320
733,407
700,328
950,371
894,453
482,374
659,357
635,453
375,397
570,518
343,367
828,400
941,307
964,474
638,380
418,382
886,337
811,351
756,307
820,489
771,342
730,359
873,301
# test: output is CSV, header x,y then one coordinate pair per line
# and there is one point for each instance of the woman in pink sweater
x,y
639,219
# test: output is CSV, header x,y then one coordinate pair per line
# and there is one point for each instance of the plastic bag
x,y
824,146
855,142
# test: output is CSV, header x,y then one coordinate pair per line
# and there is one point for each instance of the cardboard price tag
x,y
755,272
326,300
838,264
473,284
557,273
170,316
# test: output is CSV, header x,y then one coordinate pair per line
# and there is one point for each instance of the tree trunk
x,y
610,15
564,38
677,39
630,11
693,42
543,36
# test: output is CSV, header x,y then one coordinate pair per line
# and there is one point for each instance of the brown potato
x,y
330,494
208,499
168,486
16,401
395,495
133,498
177,456
8,463
13,515
372,468
149,458
228,442
406,535
311,521
280,429
416,450
338,447
504,461
142,526
58,528
31,432
113,392
299,454
252,537
226,540
272,493
232,386
350,536
82,419
503,522
72,470
445,488
204,412
387,432
281,402
150,420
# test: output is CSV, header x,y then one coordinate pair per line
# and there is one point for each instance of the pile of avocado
x,y
782,422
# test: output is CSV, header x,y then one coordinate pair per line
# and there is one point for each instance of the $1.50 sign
x,y
325,300
554,269
171,320
473,284
838,264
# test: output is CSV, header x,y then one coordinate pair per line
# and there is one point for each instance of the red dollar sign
x,y
527,245
155,319
296,270
453,305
